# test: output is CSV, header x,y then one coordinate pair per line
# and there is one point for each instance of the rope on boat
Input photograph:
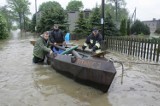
x,y
121,63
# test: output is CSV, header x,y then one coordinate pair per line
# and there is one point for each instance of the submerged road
x,y
23,83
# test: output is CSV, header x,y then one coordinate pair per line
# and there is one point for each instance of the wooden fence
x,y
147,49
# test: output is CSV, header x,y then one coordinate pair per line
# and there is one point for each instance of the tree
x,y
3,28
81,26
8,15
21,10
50,13
95,18
123,29
27,25
140,28
33,23
117,8
48,5
128,26
110,28
119,3
74,5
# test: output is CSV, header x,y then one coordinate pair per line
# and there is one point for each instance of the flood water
x,y
23,83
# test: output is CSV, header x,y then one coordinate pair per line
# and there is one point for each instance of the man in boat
x,y
56,37
93,41
41,48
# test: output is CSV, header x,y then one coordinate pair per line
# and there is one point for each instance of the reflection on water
x,y
23,83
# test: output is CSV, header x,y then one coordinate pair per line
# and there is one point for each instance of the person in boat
x,y
93,41
56,36
41,48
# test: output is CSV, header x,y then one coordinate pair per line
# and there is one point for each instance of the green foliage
x,y
51,13
122,12
81,26
8,15
123,30
20,8
48,5
120,3
28,26
110,28
74,5
33,23
3,28
84,26
128,27
95,18
139,27
157,31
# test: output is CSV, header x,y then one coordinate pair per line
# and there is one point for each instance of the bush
x,y
138,27
157,31
123,29
3,28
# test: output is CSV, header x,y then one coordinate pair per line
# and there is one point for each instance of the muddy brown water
x,y
23,83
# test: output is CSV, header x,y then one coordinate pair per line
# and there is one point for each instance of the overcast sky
x,y
146,9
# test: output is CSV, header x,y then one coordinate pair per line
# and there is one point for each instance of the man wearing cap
x,y
56,36
93,41
41,48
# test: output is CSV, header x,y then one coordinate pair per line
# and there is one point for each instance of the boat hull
x,y
96,72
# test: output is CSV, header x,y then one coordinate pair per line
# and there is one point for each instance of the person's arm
x,y
43,47
98,43
99,40
86,43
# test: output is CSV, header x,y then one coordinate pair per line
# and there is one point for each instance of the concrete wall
x,y
72,19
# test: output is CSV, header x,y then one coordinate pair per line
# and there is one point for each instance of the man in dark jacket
x,y
41,48
56,36
93,41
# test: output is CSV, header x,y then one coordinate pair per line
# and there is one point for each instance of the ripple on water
x,y
25,84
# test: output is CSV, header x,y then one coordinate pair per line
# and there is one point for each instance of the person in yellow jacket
x,y
93,41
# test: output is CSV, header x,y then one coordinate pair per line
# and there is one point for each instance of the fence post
x,y
154,53
145,44
142,48
139,47
148,41
134,46
151,49
158,51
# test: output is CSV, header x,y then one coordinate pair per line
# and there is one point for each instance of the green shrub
x,y
3,28
157,31
139,27
123,28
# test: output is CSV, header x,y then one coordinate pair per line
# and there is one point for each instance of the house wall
x,y
153,24
72,19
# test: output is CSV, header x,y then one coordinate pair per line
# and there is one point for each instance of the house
x,y
152,24
73,18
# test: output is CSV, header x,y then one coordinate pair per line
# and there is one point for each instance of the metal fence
x,y
147,49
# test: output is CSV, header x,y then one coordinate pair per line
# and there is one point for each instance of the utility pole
x,y
135,14
36,14
102,18
116,4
